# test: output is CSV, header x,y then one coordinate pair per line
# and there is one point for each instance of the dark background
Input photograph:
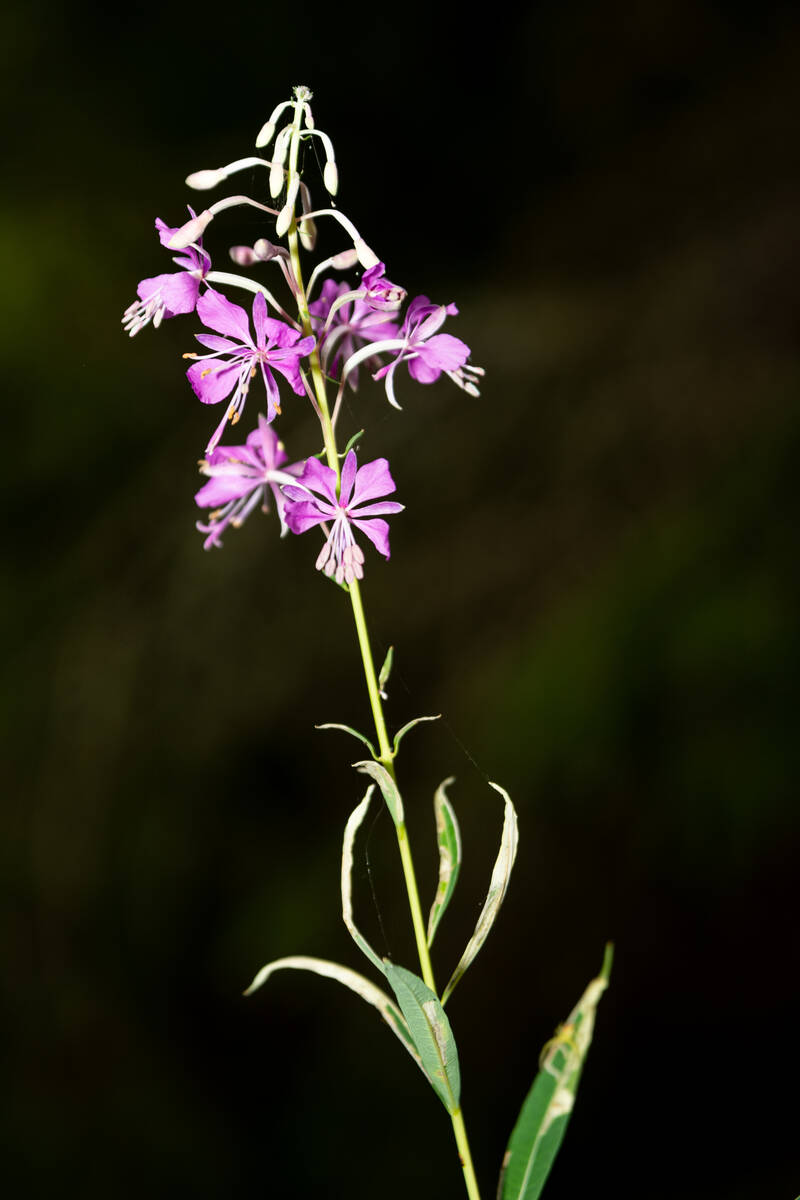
x,y
595,580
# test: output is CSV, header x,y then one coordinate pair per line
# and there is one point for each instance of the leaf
x,y
388,788
355,438
350,830
498,887
410,725
354,732
431,1032
351,979
386,671
543,1119
449,838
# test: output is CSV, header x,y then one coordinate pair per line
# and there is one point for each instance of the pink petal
x,y
217,312
373,480
212,384
378,533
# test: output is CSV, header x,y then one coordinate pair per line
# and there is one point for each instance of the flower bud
x,y
330,177
344,261
308,234
190,232
265,134
368,258
202,181
284,219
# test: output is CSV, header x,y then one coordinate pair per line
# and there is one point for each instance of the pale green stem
x,y
459,1129
386,753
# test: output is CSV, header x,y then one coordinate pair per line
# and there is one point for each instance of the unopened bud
x,y
368,258
265,134
308,234
284,219
243,256
265,250
190,232
275,179
344,261
330,177
201,181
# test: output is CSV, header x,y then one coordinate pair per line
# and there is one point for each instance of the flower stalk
x,y
284,359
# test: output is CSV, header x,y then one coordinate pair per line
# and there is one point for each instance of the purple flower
x,y
379,292
238,478
234,359
355,322
426,351
171,294
313,500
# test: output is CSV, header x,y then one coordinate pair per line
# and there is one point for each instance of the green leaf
x,y
410,725
351,979
350,830
431,1032
543,1120
388,787
449,839
386,671
355,438
353,732
498,887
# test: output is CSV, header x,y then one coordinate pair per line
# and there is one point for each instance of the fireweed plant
x,y
342,321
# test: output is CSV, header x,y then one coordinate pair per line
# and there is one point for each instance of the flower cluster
x,y
323,342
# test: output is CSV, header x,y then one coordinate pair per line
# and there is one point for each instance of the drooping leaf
x,y
386,671
350,830
498,887
431,1033
388,788
410,725
543,1119
351,979
449,838
353,732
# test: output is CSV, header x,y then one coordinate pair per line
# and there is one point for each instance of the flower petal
x,y
373,480
218,313
377,531
212,384
348,476
302,515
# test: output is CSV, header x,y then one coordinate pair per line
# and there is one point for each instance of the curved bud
x,y
330,177
368,258
308,234
265,134
275,179
190,232
284,219
344,261
202,181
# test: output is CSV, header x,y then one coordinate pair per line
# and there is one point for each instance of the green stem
x,y
386,753
387,759
459,1129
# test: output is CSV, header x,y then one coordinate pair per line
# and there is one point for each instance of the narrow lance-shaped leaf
x,y
543,1119
498,887
354,733
386,671
431,1032
449,838
388,788
401,733
351,828
352,980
